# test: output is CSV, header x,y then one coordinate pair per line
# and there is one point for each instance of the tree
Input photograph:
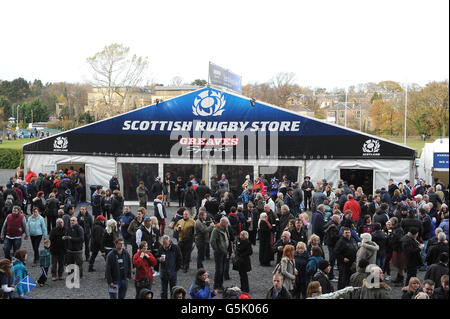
x,y
35,111
199,82
390,86
115,74
386,118
283,83
177,81
5,108
15,91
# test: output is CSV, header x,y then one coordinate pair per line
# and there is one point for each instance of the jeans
x,y
381,260
220,261
423,253
162,226
201,252
121,292
11,243
167,280
35,241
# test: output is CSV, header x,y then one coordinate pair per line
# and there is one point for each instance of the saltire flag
x,y
28,284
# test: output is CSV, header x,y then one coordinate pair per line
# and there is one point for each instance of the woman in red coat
x,y
143,260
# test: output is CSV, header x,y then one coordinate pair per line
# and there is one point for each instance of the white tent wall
x,y
99,170
398,170
425,168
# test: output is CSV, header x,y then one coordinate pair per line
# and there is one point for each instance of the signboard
x,y
211,120
440,160
225,78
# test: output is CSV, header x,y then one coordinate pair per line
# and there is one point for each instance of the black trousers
x,y
35,241
57,265
186,250
244,281
75,258
344,274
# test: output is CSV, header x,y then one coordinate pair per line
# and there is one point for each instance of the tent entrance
x,y
79,167
133,173
236,176
359,177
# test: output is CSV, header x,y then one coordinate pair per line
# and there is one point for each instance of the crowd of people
x,y
402,225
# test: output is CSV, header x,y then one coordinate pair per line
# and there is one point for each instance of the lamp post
x,y
17,117
345,109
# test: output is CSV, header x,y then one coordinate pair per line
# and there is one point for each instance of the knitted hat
x,y
101,218
323,264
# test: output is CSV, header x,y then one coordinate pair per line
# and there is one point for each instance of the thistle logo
x,y
371,147
60,144
209,103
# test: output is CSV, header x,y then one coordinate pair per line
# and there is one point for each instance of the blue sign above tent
x,y
212,120
440,160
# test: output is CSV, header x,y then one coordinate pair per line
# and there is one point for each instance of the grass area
x,y
16,144
414,142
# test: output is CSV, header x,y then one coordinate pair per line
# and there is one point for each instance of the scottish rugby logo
x,y
60,144
209,103
371,147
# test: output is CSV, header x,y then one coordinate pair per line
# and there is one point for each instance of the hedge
x,y
10,158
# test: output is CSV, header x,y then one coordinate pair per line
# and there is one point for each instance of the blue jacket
x,y
318,223
312,266
36,226
19,272
198,291
444,226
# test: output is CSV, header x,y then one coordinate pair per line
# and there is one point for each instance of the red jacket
x,y
354,206
143,265
260,185
29,176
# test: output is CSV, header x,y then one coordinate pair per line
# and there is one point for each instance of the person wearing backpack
x,y
190,197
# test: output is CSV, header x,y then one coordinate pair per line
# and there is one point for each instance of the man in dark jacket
x,y
345,252
96,201
411,252
98,233
118,271
381,215
321,276
437,270
437,249
57,249
307,188
298,199
289,200
86,222
278,291
380,238
74,238
318,222
374,205
170,259
285,217
281,243
331,230
299,233
114,183
411,221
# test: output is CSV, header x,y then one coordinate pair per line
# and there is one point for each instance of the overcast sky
x,y
326,43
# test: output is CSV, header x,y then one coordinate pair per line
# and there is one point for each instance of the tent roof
x,y
146,131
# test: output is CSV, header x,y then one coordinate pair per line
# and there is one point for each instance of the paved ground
x,y
93,285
